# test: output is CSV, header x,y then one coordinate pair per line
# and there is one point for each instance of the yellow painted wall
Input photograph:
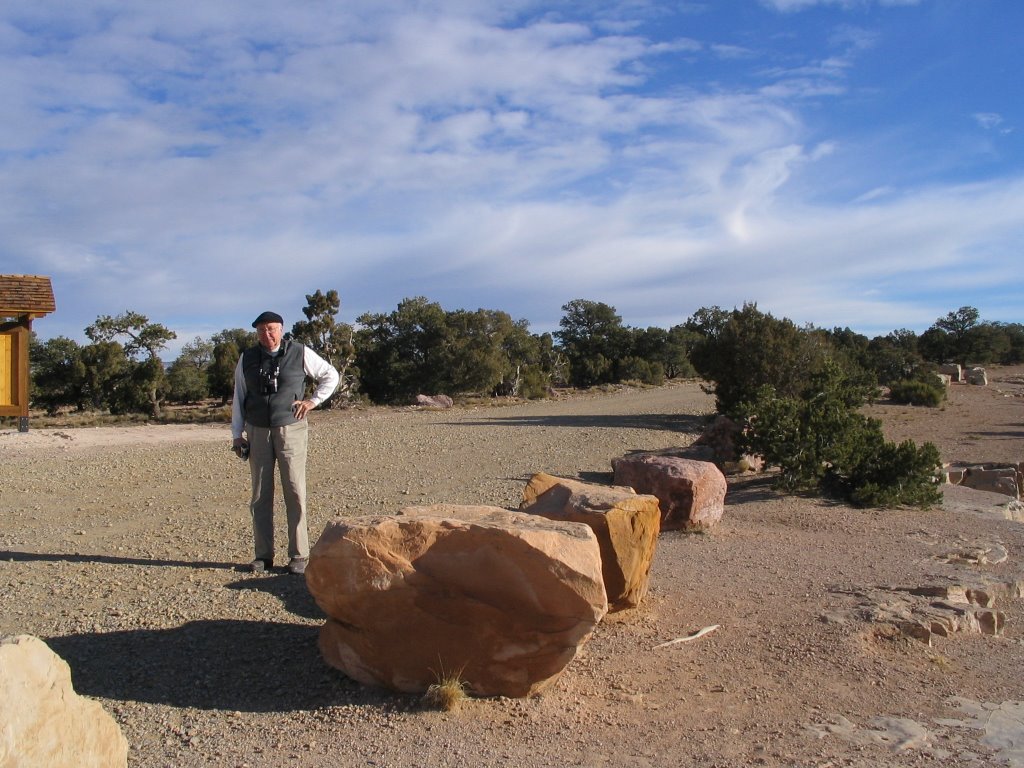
x,y
8,382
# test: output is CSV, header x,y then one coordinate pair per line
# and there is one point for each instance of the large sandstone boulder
x,y
501,599
952,370
691,493
626,525
43,722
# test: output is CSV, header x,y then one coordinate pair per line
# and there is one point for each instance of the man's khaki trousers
x,y
286,447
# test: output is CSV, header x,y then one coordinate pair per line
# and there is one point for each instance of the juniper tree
x,y
141,342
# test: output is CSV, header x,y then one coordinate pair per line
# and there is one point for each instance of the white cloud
x,y
799,5
992,121
732,51
197,164
988,120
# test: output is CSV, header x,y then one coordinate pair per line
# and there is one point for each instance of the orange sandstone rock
x,y
501,599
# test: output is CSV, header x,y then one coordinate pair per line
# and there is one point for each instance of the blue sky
x,y
840,162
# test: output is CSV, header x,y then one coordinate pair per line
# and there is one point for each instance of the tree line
x,y
419,347
795,393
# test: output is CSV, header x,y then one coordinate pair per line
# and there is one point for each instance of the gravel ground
x,y
121,548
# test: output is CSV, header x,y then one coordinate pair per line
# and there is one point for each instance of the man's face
x,y
269,335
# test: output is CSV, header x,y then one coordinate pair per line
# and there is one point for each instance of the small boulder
x,y
1014,510
952,370
717,444
43,722
953,474
691,493
720,437
626,525
977,376
502,600
434,401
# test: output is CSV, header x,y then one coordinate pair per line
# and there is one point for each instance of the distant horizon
x,y
844,163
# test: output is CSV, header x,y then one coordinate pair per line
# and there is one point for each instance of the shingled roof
x,y
22,295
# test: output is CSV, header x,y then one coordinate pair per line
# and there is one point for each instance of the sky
x,y
841,163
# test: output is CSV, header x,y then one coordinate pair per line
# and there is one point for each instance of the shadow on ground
x,y
245,666
674,422
290,590
1008,434
66,557
749,489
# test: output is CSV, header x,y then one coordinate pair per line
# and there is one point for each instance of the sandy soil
x,y
122,549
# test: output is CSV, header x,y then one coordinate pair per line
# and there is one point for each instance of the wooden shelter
x,y
23,298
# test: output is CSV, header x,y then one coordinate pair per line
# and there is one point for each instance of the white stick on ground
x,y
696,635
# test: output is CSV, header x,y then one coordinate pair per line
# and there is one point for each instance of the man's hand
x,y
240,446
301,407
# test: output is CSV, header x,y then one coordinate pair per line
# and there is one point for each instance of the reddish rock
x,y
691,493
501,599
626,525
434,401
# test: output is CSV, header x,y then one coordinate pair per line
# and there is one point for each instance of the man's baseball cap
x,y
268,317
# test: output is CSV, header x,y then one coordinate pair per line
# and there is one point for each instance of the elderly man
x,y
270,408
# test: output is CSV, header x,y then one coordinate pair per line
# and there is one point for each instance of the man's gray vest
x,y
262,407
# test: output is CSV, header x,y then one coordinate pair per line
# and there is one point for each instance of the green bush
x,y
534,384
894,475
820,442
186,383
917,392
644,371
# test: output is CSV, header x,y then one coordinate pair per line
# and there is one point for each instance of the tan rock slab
x,y
926,612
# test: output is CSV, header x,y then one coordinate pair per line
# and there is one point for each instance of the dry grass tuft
x,y
448,693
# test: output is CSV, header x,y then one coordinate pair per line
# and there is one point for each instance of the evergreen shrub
x,y
917,392
820,442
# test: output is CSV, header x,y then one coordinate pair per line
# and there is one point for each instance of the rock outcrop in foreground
x,y
43,722
502,600
1005,478
626,525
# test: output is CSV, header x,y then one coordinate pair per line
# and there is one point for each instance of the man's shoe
x,y
297,565
259,565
